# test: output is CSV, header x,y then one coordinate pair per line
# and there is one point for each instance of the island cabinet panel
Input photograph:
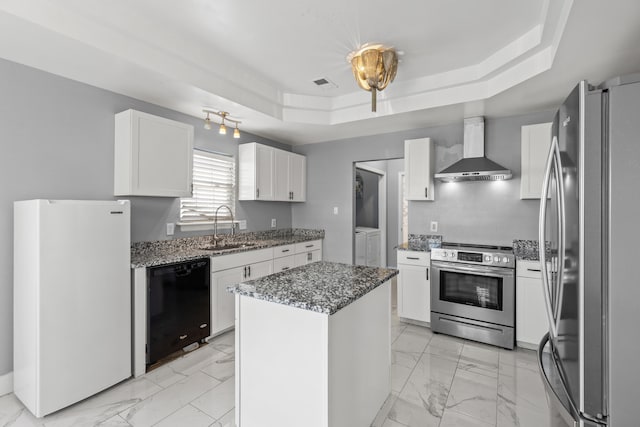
x,y
328,370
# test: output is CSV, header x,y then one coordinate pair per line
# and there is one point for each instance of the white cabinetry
x,y
268,173
418,168
290,176
414,290
535,143
229,270
531,317
284,258
153,156
308,252
256,179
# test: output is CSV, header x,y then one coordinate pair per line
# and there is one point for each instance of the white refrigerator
x,y
72,300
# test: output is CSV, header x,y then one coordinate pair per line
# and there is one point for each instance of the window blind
x,y
214,177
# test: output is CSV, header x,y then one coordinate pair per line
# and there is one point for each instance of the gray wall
x,y
57,143
367,205
470,212
394,167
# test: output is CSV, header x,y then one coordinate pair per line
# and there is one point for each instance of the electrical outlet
x,y
171,228
335,210
273,223
434,226
242,224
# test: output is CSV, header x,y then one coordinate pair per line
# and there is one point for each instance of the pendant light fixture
x,y
374,67
222,130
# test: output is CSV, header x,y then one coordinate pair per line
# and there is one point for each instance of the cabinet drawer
x,y
308,246
284,263
285,250
529,269
225,262
414,258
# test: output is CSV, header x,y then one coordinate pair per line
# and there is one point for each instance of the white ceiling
x,y
258,59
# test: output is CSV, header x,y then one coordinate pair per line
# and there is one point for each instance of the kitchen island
x,y
313,346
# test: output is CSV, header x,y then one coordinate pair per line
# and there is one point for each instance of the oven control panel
x,y
494,258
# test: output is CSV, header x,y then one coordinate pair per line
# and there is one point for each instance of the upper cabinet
x,y
268,173
418,169
153,156
536,140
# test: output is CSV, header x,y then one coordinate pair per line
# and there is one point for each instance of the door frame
x,y
382,211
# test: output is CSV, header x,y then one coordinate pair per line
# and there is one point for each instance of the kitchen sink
x,y
228,246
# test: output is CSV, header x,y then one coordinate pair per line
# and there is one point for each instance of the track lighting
x,y
222,130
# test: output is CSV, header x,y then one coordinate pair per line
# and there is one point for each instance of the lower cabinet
x,y
230,270
414,290
308,252
284,258
531,317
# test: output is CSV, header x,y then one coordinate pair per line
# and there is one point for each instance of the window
x,y
214,177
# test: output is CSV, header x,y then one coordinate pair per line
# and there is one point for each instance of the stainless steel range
x,y
473,292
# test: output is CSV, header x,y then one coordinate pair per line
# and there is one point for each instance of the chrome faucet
x,y
215,224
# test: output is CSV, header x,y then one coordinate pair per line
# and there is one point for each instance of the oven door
x,y
474,292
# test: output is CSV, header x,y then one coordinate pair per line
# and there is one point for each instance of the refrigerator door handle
x,y
542,239
561,238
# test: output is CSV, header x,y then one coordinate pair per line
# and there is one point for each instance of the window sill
x,y
205,225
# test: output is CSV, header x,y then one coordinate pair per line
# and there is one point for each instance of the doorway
x,y
370,208
387,205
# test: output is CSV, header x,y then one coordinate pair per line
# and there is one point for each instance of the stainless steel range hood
x,y
474,166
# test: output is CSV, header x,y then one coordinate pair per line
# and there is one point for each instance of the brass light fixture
x,y
222,130
374,67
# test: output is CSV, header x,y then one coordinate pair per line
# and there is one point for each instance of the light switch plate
x,y
434,226
273,223
335,210
171,228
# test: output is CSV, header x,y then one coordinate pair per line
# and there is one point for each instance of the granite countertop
x,y
527,250
323,287
149,254
421,242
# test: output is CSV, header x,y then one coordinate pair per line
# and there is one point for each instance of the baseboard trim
x,y
6,383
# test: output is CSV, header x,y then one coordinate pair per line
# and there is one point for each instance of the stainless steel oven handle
x,y
476,269
542,238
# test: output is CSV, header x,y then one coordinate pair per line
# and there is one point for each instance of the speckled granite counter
x,y
148,254
421,242
527,250
323,287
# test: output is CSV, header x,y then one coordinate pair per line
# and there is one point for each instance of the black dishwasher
x,y
178,306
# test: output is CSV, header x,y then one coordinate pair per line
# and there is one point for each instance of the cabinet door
x,y
414,293
259,269
153,156
535,143
222,302
531,318
281,174
264,172
298,177
418,168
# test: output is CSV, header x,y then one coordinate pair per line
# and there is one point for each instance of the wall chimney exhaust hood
x,y
474,166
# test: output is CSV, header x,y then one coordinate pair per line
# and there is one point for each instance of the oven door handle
x,y
476,269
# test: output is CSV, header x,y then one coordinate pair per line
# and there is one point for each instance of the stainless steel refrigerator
x,y
589,215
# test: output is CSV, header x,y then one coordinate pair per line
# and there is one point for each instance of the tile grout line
x,y
451,384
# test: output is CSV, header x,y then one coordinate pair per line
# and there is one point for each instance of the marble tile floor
x,y
437,381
